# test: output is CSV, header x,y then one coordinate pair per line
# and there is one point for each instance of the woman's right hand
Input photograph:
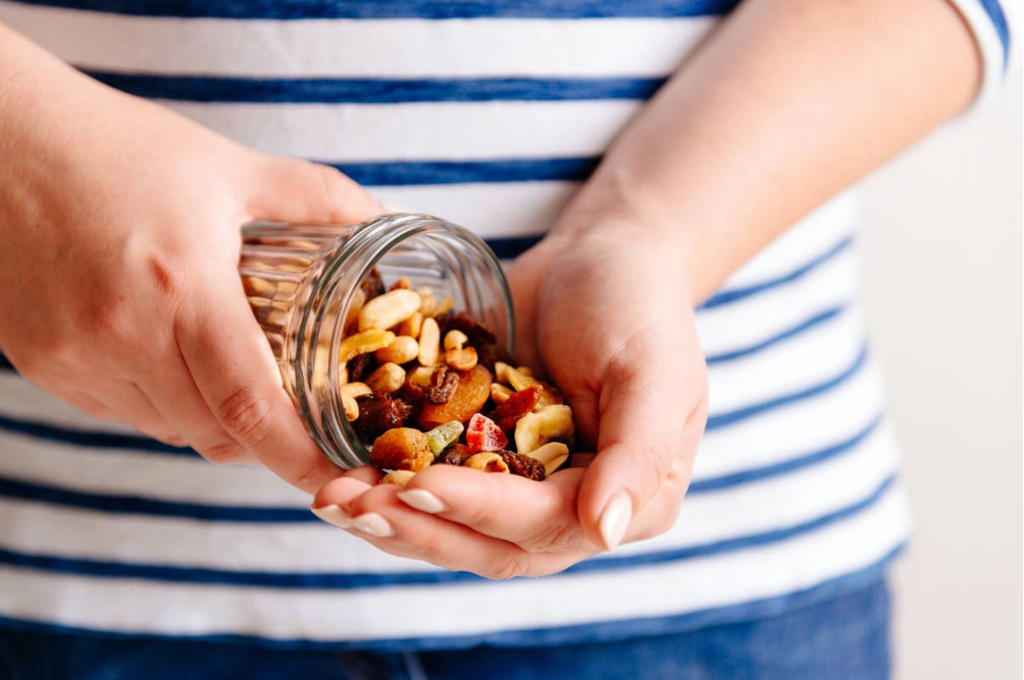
x,y
120,229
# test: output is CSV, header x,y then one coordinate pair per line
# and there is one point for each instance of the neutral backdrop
x,y
942,257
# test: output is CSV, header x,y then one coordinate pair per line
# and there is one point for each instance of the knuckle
x,y
223,453
507,565
244,413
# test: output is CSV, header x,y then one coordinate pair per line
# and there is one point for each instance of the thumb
x,y
652,417
293,190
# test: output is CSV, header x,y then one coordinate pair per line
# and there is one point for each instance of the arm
x,y
784,105
119,223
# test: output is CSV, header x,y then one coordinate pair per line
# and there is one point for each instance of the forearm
x,y
787,104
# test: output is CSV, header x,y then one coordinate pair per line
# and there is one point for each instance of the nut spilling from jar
x,y
429,386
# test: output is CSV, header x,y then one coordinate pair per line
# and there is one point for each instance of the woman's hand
x,y
120,226
607,313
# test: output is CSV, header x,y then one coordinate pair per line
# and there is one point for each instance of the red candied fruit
x,y
483,434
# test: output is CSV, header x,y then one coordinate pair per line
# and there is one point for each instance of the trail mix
x,y
423,385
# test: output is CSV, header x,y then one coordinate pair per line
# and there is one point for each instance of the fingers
x,y
644,434
292,190
233,367
544,516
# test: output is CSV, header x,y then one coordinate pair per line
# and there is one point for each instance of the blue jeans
x,y
846,638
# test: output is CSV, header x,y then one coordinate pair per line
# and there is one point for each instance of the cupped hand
x,y
120,223
607,315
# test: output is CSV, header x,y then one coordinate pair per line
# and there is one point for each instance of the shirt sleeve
x,y
994,25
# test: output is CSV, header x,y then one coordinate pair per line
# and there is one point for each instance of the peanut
x,y
422,376
387,378
428,301
430,338
488,462
542,426
411,326
363,343
399,478
355,389
403,283
388,310
402,350
354,308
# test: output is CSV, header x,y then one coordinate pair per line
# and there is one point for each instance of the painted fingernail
x,y
374,524
332,514
615,520
422,500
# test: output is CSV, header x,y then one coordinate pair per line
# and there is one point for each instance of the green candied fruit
x,y
442,436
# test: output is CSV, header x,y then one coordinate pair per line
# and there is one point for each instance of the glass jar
x,y
301,279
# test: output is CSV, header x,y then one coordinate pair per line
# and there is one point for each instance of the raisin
x,y
522,465
373,284
508,413
477,332
359,367
454,455
377,414
444,383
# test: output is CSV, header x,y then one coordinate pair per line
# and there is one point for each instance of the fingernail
x,y
374,524
332,514
423,500
615,520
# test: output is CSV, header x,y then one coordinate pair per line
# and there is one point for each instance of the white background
x,y
942,245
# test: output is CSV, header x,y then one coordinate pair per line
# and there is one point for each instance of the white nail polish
x,y
615,520
332,514
374,524
422,500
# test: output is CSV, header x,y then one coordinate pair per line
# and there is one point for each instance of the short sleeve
x,y
994,25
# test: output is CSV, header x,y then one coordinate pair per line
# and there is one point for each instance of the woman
x,y
712,233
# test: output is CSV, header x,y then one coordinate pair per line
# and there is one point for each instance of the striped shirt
x,y
490,113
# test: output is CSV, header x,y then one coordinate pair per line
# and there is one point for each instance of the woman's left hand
x,y
608,314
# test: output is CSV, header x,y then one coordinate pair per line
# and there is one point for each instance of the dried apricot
x,y
469,397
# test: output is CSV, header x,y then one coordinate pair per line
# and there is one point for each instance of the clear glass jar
x,y
300,281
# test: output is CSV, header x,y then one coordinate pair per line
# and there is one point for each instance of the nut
x,y
513,376
488,462
427,301
399,478
500,393
551,455
387,378
363,343
355,389
443,307
422,376
455,339
430,338
403,283
525,370
461,359
542,426
403,349
411,326
351,406
354,308
401,448
389,309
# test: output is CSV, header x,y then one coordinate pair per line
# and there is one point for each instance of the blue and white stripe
x,y
795,493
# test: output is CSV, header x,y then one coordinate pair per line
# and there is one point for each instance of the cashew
x,y
362,343
412,326
389,309
403,349
399,478
351,407
488,462
551,455
461,359
356,389
542,426
455,339
430,337
387,378
499,393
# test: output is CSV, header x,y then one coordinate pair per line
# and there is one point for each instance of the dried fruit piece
x,y
477,332
488,462
430,337
387,378
550,423
442,436
359,367
524,466
403,282
517,405
372,285
399,478
402,350
551,455
363,343
470,396
401,448
443,384
453,455
379,413
483,435
388,310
